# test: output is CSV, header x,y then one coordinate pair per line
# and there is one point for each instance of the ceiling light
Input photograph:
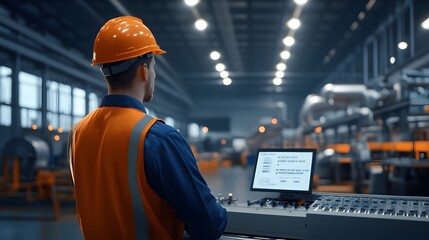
x,y
220,67
205,129
280,74
425,24
281,67
274,121
277,81
402,45
361,15
354,25
300,2
288,41
370,4
293,23
227,81
215,55
201,24
224,74
285,54
192,3
392,60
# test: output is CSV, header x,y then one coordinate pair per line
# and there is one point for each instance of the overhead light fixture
x,y
326,59
288,41
192,3
201,24
205,129
300,2
215,55
425,24
354,25
370,4
227,81
280,74
285,54
402,45
392,60
293,23
220,67
261,129
224,74
318,129
281,67
277,81
274,121
361,15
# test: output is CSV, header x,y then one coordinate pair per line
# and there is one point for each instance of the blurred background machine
x,y
28,171
359,131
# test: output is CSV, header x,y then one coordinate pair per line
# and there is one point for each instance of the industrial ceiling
x,y
248,34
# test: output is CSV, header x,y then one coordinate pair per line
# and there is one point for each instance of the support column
x,y
45,77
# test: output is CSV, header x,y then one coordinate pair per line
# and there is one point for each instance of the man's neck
x,y
138,95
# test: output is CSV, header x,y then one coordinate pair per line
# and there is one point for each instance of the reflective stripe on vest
x,y
70,153
141,224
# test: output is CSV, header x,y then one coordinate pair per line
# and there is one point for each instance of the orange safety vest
x,y
113,198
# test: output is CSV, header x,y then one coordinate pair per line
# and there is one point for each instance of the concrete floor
x,y
35,221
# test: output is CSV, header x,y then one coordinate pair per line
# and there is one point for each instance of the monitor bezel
x,y
313,162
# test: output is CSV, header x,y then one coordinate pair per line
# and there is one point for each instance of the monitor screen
x,y
284,170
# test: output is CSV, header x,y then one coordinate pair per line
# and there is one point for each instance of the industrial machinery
x,y
22,157
291,210
332,216
26,170
386,120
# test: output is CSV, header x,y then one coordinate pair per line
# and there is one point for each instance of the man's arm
x,y
175,178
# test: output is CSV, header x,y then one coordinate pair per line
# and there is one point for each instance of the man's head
x,y
125,48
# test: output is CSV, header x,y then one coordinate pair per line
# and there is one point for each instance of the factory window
x,y
64,106
93,101
5,96
52,96
53,102
53,119
79,105
169,121
30,99
59,105
65,120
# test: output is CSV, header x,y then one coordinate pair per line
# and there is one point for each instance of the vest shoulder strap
x,y
141,223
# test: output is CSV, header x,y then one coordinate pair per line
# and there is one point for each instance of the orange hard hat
x,y
123,38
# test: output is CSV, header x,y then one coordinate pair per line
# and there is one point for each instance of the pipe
x,y
349,93
313,105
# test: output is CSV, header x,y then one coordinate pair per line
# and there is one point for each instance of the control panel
x,y
331,216
379,206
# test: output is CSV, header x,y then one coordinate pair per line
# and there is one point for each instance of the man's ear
x,y
144,70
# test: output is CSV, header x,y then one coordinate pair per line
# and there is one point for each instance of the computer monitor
x,y
284,170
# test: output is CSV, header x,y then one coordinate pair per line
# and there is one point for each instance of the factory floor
x,y
19,220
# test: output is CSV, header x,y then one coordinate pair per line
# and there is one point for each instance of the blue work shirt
x,y
172,172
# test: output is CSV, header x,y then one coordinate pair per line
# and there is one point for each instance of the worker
x,y
134,176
